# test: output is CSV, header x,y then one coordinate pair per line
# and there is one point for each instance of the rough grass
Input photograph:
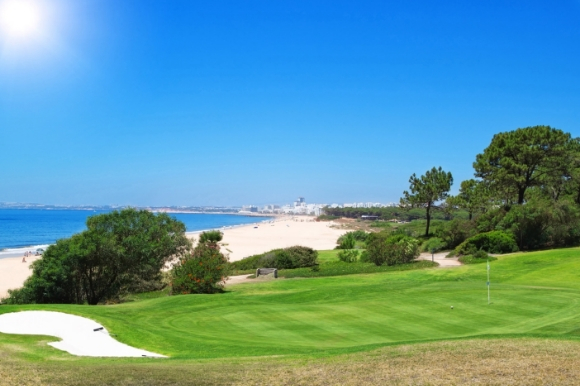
x,y
476,361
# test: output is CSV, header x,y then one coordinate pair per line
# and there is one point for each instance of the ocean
x,y
28,229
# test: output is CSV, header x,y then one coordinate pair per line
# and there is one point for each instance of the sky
x,y
180,102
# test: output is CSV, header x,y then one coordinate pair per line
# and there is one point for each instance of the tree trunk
x,y
470,215
521,193
428,219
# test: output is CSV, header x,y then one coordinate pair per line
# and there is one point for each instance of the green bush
x,y
433,244
287,258
491,242
454,232
392,250
203,272
211,237
481,254
470,259
348,255
346,241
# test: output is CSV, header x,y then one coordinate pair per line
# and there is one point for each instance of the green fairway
x,y
534,294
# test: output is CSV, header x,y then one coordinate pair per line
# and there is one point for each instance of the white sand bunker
x,y
80,336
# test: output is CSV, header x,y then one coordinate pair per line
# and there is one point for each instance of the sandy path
x,y
440,258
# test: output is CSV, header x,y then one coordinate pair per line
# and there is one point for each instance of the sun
x,y
19,18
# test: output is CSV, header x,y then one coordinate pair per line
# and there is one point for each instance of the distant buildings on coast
x,y
300,207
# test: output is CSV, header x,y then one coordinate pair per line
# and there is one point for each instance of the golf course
x,y
343,321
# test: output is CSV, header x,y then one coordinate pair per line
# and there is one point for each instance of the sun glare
x,y
19,18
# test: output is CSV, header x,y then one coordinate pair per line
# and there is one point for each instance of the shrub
x,y
433,244
541,224
397,249
203,272
470,259
481,254
211,237
292,257
491,242
348,255
454,232
346,241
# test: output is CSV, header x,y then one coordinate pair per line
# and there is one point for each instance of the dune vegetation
x,y
299,327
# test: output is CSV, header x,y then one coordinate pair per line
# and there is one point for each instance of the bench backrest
x,y
267,271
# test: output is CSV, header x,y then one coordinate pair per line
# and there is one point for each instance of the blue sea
x,y
29,229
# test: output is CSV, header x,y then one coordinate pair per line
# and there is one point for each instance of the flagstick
x,y
488,298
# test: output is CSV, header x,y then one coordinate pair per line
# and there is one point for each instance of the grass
x,y
330,265
381,327
468,259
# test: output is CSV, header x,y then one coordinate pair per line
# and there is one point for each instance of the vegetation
x,y
287,258
392,213
391,249
491,242
518,160
477,257
348,255
337,323
352,239
202,272
120,252
434,244
513,361
427,190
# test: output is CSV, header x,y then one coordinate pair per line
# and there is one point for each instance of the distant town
x,y
298,207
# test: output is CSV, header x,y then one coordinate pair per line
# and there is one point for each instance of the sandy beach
x,y
238,242
13,273
282,232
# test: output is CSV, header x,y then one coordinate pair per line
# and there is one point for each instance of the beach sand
x,y
250,240
13,273
238,242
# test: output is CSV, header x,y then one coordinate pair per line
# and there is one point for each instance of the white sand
x,y
77,334
13,273
248,240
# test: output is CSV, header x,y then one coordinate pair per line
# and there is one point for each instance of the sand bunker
x,y
77,333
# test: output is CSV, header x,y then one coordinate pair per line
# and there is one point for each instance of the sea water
x,y
29,229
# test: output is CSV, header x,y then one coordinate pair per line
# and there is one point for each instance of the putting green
x,y
533,294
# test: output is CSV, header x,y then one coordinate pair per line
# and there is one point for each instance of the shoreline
x,y
18,251
239,241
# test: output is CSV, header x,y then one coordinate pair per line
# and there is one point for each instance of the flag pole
x,y
488,298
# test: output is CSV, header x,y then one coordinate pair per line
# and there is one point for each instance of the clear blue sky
x,y
238,102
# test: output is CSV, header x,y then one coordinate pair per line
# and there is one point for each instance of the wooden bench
x,y
267,271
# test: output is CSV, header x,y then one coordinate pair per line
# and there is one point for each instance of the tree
x,y
520,159
204,271
473,197
427,190
118,253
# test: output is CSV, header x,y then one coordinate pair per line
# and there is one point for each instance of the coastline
x,y
239,241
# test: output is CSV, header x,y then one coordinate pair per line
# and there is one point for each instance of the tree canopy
x,y
518,160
